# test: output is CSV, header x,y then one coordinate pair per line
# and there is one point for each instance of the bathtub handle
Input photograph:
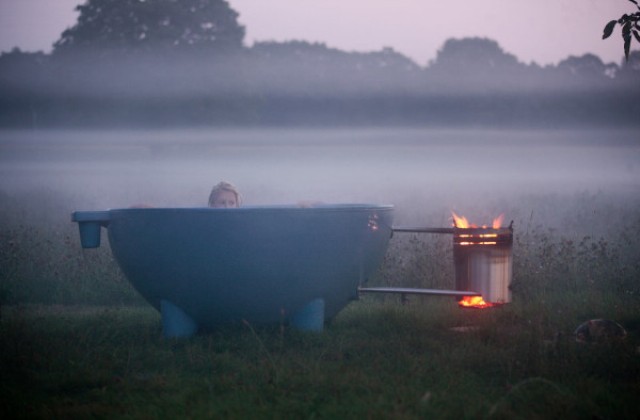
x,y
89,223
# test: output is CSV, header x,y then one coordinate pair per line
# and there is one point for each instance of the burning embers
x,y
475,302
482,258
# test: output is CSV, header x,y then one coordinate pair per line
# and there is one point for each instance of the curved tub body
x,y
204,267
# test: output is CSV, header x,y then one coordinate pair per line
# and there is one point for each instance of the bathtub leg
x,y
175,322
310,317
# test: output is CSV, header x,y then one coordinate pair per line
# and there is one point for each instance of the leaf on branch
x,y
608,29
633,1
636,34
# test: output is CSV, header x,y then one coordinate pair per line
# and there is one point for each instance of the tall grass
x,y
376,360
42,262
76,341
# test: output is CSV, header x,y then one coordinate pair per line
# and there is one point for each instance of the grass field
x,y
376,360
76,341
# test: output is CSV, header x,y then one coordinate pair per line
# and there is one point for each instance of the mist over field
x,y
472,83
530,175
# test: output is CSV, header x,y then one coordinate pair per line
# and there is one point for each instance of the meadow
x,y
76,340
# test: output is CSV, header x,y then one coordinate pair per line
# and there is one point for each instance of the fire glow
x,y
477,238
461,222
475,302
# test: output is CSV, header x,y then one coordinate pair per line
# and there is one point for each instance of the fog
x,y
471,83
537,177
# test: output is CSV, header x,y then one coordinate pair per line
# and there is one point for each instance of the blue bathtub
x,y
203,267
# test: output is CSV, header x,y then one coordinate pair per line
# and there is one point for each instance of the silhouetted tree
x,y
152,25
630,70
476,63
24,77
587,67
315,69
23,72
18,63
630,25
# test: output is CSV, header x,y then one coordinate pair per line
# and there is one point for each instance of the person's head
x,y
224,195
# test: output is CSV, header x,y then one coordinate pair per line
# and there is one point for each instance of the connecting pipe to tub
x,y
89,223
404,291
422,229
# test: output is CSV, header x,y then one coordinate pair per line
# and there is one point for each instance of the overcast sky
x,y
544,31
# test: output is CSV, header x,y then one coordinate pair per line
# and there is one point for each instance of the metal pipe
x,y
422,229
410,291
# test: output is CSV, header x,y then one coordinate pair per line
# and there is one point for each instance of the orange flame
x,y
462,222
475,302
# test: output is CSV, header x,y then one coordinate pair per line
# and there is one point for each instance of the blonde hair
x,y
224,186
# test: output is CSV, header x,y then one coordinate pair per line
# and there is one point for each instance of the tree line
x,y
164,62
